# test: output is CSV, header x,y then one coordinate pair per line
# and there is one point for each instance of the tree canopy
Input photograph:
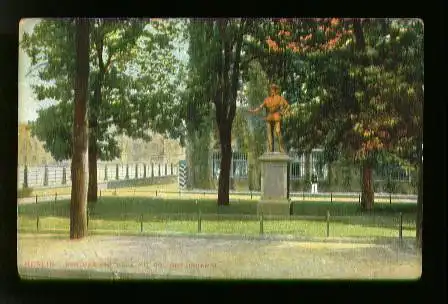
x,y
139,89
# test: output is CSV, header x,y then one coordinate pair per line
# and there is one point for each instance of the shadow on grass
x,y
406,241
159,210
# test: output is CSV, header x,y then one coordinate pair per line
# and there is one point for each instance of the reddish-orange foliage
x,y
329,26
272,44
283,32
334,21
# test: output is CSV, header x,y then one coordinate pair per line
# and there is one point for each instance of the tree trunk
x,y
307,170
419,222
92,195
190,163
330,176
254,172
94,113
78,203
225,99
226,156
367,186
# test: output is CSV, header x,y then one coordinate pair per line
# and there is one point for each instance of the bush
x,y
24,192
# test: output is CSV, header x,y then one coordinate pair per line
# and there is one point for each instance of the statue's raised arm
x,y
275,106
257,109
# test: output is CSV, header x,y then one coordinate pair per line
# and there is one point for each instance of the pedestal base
x,y
274,184
274,207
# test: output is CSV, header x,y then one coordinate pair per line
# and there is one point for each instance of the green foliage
x,y
362,103
133,65
199,161
251,129
213,74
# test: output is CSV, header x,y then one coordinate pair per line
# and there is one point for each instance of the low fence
x,y
140,212
60,175
393,226
113,189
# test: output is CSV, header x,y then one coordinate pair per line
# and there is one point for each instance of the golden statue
x,y
276,107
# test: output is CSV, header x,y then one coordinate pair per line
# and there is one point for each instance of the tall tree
x,y
229,38
132,86
359,98
197,113
250,130
79,166
221,42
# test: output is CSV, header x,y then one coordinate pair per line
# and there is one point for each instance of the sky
x,y
28,104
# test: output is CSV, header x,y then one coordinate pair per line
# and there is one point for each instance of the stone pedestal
x,y
274,184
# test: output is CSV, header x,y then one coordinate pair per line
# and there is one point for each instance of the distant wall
x,y
60,175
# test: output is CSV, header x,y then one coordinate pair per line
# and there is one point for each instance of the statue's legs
x,y
278,133
269,130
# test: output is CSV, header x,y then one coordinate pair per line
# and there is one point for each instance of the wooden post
x,y
400,232
199,216
141,223
328,223
25,177
261,224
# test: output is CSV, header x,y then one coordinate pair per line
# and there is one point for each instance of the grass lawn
x,y
171,191
127,215
121,191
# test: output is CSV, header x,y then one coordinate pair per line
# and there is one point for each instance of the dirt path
x,y
176,256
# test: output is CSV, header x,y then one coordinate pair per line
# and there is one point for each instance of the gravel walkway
x,y
115,257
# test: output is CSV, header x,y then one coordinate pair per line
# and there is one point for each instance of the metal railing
x,y
160,192
334,223
60,175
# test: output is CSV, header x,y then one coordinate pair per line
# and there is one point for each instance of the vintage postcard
x,y
194,148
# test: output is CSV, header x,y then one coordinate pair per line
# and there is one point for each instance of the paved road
x,y
115,257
